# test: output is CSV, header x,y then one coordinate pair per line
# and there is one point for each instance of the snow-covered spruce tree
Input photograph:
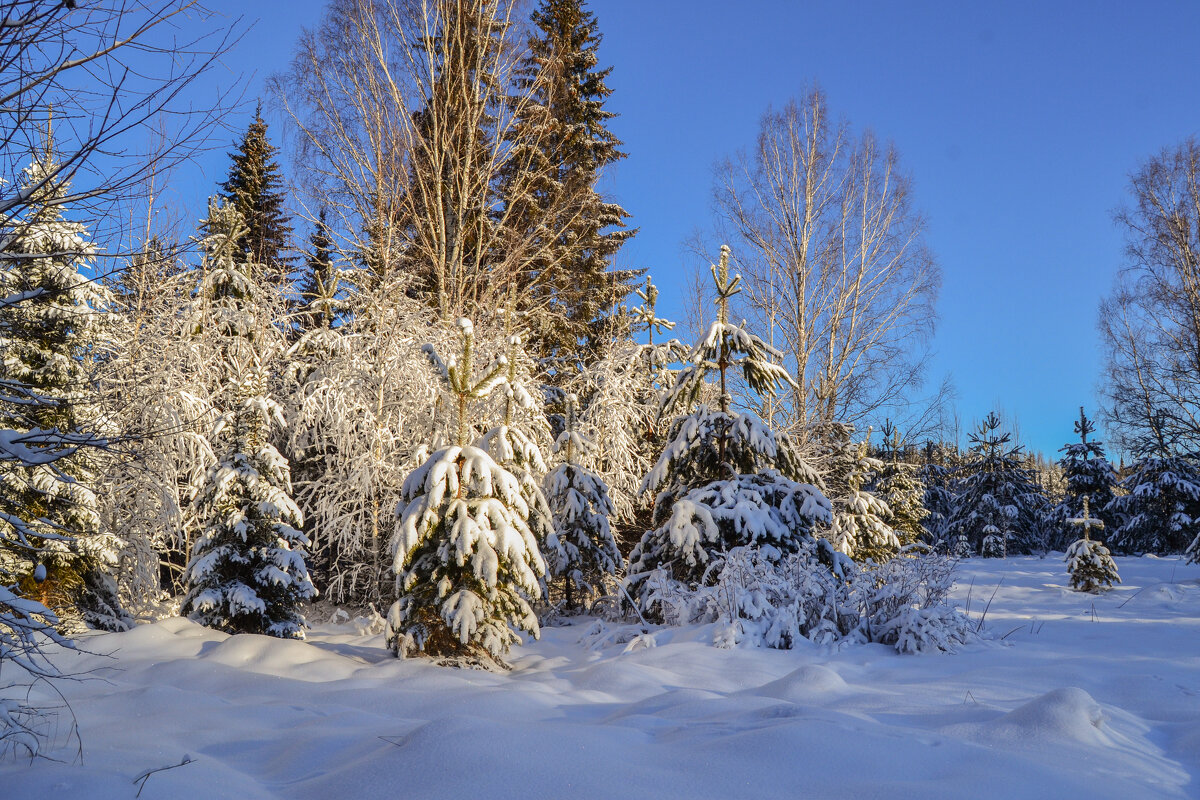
x,y
859,527
578,500
620,393
1088,474
725,479
997,492
1159,511
247,572
1089,563
52,323
516,445
466,562
939,465
898,484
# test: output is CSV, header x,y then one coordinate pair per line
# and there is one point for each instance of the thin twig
x,y
145,776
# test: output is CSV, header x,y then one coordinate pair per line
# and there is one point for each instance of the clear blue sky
x,y
1019,123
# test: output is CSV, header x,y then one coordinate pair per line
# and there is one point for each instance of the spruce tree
x,y
860,526
465,560
579,502
899,486
998,494
1159,511
247,572
1088,474
1089,563
52,321
725,479
562,145
255,189
320,283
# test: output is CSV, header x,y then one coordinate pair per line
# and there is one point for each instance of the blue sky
x,y
1018,122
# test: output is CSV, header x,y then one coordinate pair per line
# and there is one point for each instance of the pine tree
x,y
1089,563
1088,474
579,502
466,561
247,572
725,479
255,189
998,494
51,322
549,184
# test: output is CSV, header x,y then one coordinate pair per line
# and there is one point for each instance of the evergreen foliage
x,y
255,189
1088,474
581,509
725,479
563,140
320,283
998,494
898,485
1159,511
1089,563
860,526
247,572
466,561
51,325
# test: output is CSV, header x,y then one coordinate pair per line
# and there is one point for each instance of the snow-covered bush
x,y
1090,566
764,602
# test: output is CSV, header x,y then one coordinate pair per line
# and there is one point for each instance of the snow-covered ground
x,y
1076,696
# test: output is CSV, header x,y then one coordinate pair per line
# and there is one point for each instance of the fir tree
x,y
255,189
1159,511
859,527
938,468
725,479
899,486
247,572
465,559
549,186
320,283
579,502
51,322
1088,474
1089,563
998,494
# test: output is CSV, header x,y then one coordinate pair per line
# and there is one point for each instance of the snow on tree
x,y
255,188
621,392
859,527
581,509
516,445
52,324
997,493
1088,474
938,469
247,573
897,484
466,562
1159,511
725,479
1089,563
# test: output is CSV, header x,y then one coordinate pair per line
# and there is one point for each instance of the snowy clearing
x,y
1085,696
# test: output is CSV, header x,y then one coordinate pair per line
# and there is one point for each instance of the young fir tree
x,y
725,479
1089,563
320,283
515,445
51,322
579,502
899,486
938,469
574,232
1088,474
255,189
465,560
859,527
997,493
1159,511
247,572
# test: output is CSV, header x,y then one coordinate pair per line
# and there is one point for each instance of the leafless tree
x,y
1150,324
835,263
406,117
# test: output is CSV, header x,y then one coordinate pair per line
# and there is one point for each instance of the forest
x,y
395,370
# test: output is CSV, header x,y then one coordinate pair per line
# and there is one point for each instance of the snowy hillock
x,y
1052,705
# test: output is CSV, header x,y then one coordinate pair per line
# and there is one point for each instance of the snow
x,y
1074,695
